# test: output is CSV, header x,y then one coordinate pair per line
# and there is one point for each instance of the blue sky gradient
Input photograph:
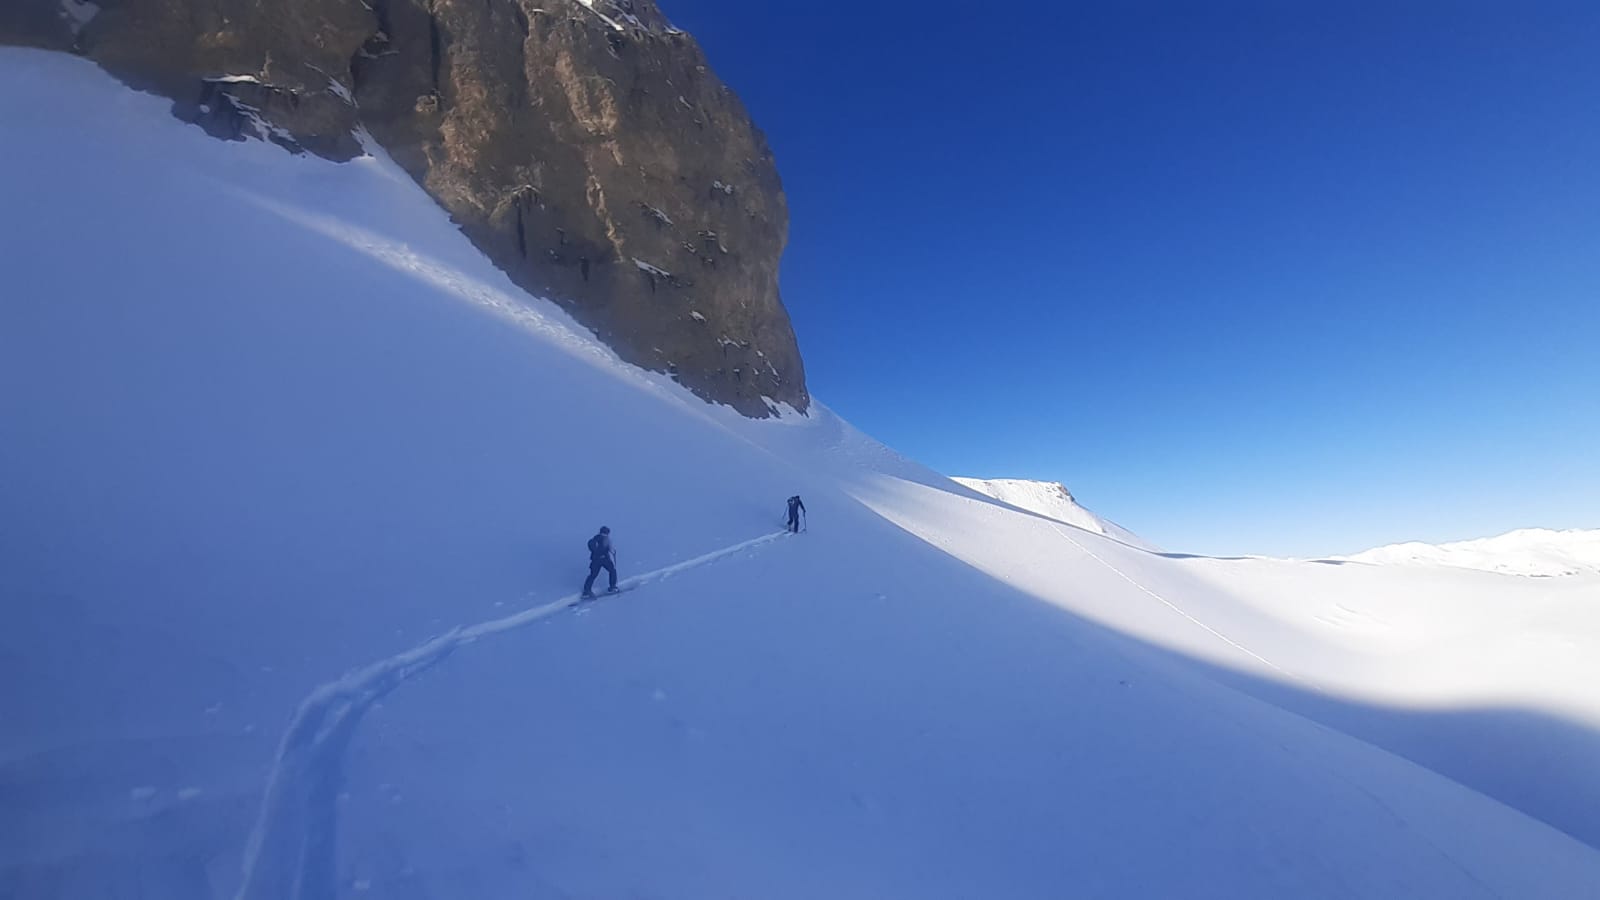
x,y
1279,278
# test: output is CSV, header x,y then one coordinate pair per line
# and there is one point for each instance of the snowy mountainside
x,y
290,574
483,103
1052,500
1527,551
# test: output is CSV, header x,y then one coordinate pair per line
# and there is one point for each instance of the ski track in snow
x,y
1180,610
292,849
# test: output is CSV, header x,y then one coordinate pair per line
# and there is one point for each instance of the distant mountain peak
x,y
1052,500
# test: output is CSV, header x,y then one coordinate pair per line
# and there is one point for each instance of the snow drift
x,y
297,489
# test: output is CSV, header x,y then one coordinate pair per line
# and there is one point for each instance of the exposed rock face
x,y
586,147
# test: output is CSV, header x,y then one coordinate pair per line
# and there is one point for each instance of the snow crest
x,y
1052,500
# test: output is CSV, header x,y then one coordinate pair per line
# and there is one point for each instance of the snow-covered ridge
x,y
1052,500
1528,551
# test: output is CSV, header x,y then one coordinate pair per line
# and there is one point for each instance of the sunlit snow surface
x,y
1053,501
294,500
1539,552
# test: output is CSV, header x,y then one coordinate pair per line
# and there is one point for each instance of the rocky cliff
x,y
584,145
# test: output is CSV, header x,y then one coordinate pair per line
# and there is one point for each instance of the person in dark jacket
x,y
795,509
601,556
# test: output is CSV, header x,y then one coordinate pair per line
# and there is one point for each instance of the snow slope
x,y
1053,501
293,518
1527,551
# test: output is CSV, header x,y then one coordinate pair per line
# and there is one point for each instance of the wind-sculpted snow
x,y
253,443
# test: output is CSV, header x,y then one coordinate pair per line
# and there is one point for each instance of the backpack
x,y
597,546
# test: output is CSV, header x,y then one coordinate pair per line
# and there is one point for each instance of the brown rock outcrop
x,y
585,147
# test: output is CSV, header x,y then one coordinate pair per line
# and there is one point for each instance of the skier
x,y
795,509
601,556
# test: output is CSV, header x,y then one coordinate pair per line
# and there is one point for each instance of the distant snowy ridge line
x,y
1535,552
1052,500
290,851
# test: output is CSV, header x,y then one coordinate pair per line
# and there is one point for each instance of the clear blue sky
x,y
1283,277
